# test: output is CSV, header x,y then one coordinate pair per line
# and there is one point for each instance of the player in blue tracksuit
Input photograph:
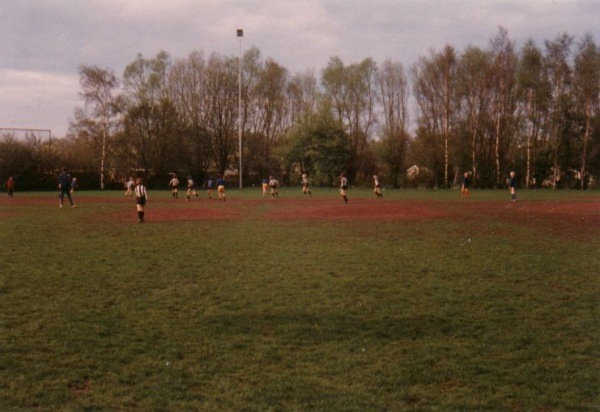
x,y
64,188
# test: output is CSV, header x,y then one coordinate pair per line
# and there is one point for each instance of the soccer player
x,y
174,184
221,188
10,186
129,186
265,187
343,187
305,185
512,186
273,183
74,184
377,186
64,188
464,189
141,197
191,188
210,186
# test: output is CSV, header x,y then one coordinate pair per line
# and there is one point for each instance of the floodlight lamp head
x,y
240,33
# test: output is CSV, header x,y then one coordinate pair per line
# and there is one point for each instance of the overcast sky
x,y
43,42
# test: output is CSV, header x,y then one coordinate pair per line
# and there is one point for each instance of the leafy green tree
x,y
319,146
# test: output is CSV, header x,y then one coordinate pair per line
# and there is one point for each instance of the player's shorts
x,y
265,186
221,189
140,200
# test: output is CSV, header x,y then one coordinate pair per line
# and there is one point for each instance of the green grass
x,y
258,314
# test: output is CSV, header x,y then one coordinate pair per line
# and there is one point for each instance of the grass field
x,y
418,301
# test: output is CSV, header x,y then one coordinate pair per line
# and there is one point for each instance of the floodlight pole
x,y
240,34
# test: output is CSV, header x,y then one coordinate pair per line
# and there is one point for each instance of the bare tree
x,y
302,95
352,91
393,99
187,89
532,100
152,122
586,87
474,90
221,106
435,89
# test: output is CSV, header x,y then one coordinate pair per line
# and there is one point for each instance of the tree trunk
x,y
586,137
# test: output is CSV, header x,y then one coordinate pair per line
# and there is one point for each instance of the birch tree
x,y
99,88
503,98
435,90
532,100
560,78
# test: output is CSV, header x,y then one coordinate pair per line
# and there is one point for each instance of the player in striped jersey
x,y
141,196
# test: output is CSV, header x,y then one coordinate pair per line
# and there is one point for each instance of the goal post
x,y
21,134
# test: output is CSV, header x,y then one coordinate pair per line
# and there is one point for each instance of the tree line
x,y
485,111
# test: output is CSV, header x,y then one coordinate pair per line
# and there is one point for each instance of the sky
x,y
44,42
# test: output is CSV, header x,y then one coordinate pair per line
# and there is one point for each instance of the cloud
x,y
37,100
54,37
